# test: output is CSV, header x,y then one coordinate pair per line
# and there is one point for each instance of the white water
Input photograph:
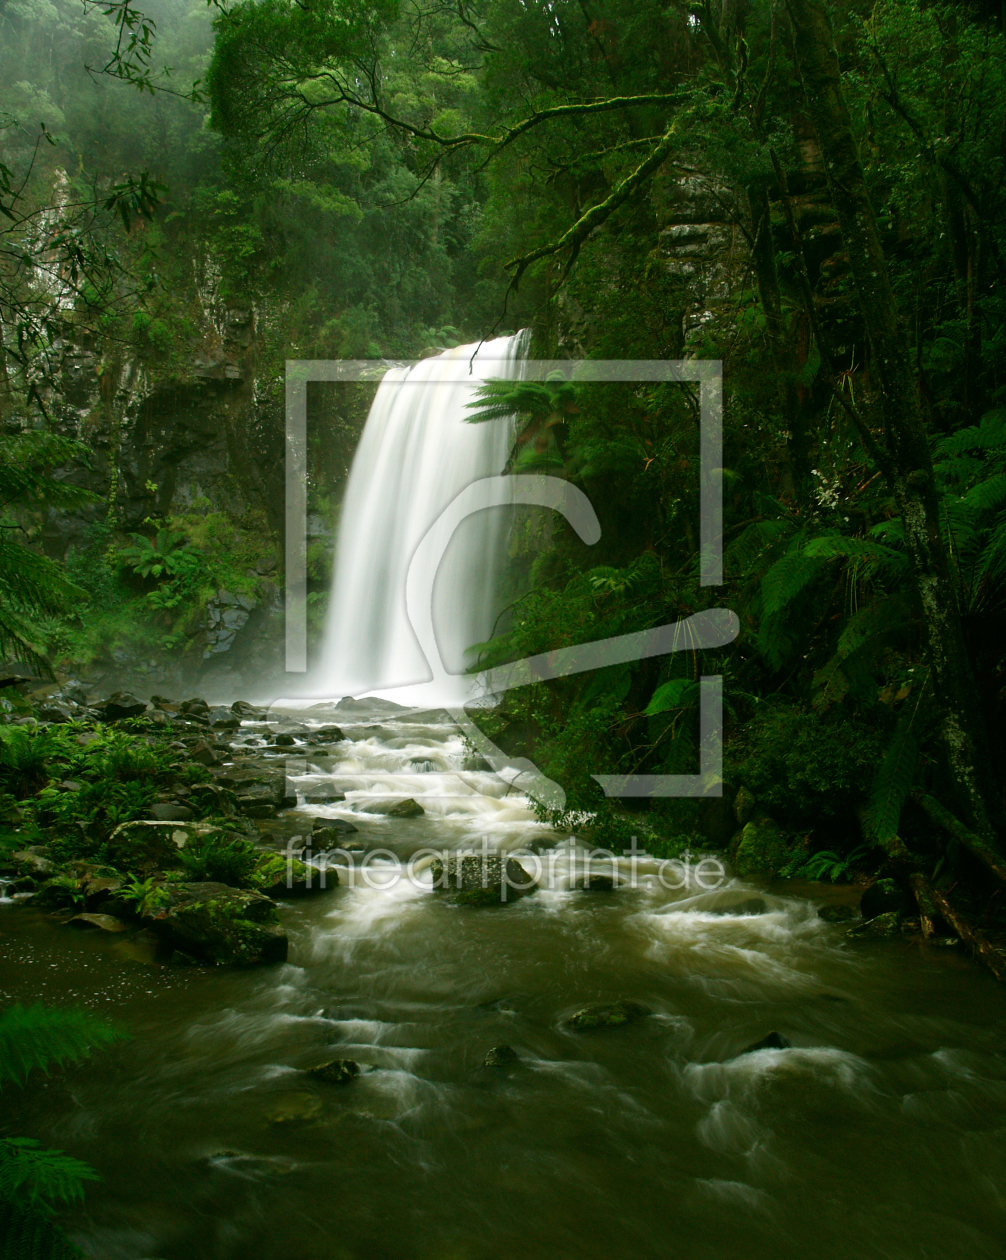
x,y
417,453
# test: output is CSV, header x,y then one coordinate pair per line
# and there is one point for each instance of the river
x,y
879,1133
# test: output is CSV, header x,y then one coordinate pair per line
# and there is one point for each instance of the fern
x,y
33,1175
894,779
28,1234
679,693
34,1036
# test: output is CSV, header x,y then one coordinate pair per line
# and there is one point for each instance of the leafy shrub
x,y
220,859
805,769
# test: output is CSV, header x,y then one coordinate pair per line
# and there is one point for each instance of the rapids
x,y
879,1133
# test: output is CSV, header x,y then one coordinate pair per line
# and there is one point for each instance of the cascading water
x,y
417,453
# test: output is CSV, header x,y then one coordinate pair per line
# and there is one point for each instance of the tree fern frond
x,y
34,1036
892,532
29,1173
894,779
987,495
988,434
875,555
29,1234
748,551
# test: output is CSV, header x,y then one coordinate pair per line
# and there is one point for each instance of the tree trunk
x,y
909,469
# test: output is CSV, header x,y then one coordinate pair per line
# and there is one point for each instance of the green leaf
x,y
679,693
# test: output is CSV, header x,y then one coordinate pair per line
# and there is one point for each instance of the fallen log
x,y
974,844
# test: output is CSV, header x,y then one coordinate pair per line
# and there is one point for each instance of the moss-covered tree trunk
x,y
908,464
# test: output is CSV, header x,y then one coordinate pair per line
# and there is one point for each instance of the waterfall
x,y
416,454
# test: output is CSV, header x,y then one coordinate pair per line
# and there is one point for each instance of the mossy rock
x,y
220,924
880,928
607,1015
144,847
276,875
501,1056
762,849
335,1071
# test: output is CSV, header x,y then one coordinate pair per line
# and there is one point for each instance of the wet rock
x,y
102,922
57,713
607,1015
501,1056
211,798
34,861
335,1071
762,849
479,879
277,875
324,734
593,883
259,793
171,813
163,705
146,846
221,924
408,808
836,914
327,797
880,927
100,889
332,833
196,707
774,1041
249,712
205,754
884,896
284,740
123,704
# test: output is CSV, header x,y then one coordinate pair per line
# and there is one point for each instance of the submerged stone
x,y
774,1041
836,914
408,808
607,1015
335,1071
501,1056
103,922
293,1108
593,883
481,879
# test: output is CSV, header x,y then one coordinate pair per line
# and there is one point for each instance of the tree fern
x,y
33,1175
894,779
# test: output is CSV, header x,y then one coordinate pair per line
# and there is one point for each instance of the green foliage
x,y
219,858
804,769
826,864
33,1180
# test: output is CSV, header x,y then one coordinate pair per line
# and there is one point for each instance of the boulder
x,y
284,740
335,1071
34,860
501,1056
478,879
171,813
220,924
259,793
145,846
56,712
242,709
123,704
326,733
607,1015
277,875
404,809
762,849
205,754
332,833
324,797
883,896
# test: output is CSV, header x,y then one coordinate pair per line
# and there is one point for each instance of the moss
x,y
612,1015
762,849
